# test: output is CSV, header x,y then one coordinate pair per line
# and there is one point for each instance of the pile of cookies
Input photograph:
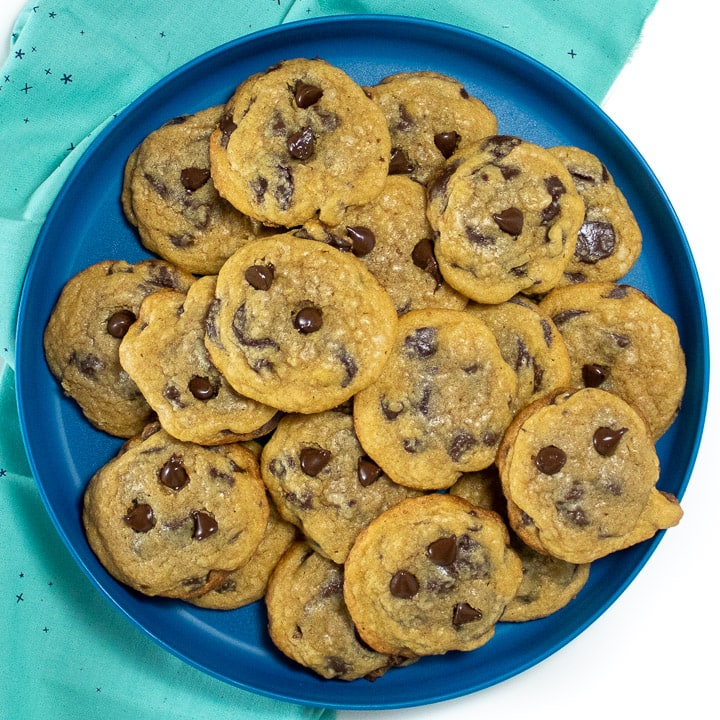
x,y
379,371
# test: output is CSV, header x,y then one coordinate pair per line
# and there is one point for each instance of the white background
x,y
653,653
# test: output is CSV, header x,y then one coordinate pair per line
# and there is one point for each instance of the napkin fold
x,y
73,65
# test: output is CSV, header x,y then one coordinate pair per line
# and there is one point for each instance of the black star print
x,y
26,89
71,148
46,629
7,78
52,14
22,574
3,472
66,79
20,598
48,71
19,54
572,53
36,8
162,33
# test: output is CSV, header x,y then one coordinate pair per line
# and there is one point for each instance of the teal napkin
x,y
73,65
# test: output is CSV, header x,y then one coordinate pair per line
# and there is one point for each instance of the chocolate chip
x,y
363,239
446,142
202,388
227,127
594,375
460,444
439,184
618,292
260,276
562,317
404,585
423,256
367,471
501,145
349,365
510,221
405,121
193,178
205,524
443,551
595,242
301,144
308,320
399,163
313,460
464,613
119,323
140,517
478,238
550,460
285,188
606,440
172,395
259,186
239,327
391,411
509,171
306,94
422,343
173,474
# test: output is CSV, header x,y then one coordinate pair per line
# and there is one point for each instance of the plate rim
x,y
258,36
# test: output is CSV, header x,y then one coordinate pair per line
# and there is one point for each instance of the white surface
x,y
653,653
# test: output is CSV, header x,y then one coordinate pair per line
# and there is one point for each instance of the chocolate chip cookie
x,y
442,403
309,622
323,482
169,195
164,354
298,140
299,325
392,236
507,215
530,343
430,116
618,339
579,470
430,575
609,240
82,337
171,518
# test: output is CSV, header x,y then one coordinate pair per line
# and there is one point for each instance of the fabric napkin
x,y
72,66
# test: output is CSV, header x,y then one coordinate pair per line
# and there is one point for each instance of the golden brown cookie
x,y
430,116
618,339
579,470
299,325
442,402
164,353
81,340
609,240
507,216
430,575
322,481
392,236
309,622
172,518
169,195
298,140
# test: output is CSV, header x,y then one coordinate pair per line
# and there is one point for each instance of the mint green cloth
x,y
73,64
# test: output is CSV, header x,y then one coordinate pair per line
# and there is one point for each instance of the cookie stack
x,y
380,371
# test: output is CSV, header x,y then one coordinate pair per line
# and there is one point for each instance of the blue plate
x,y
86,225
